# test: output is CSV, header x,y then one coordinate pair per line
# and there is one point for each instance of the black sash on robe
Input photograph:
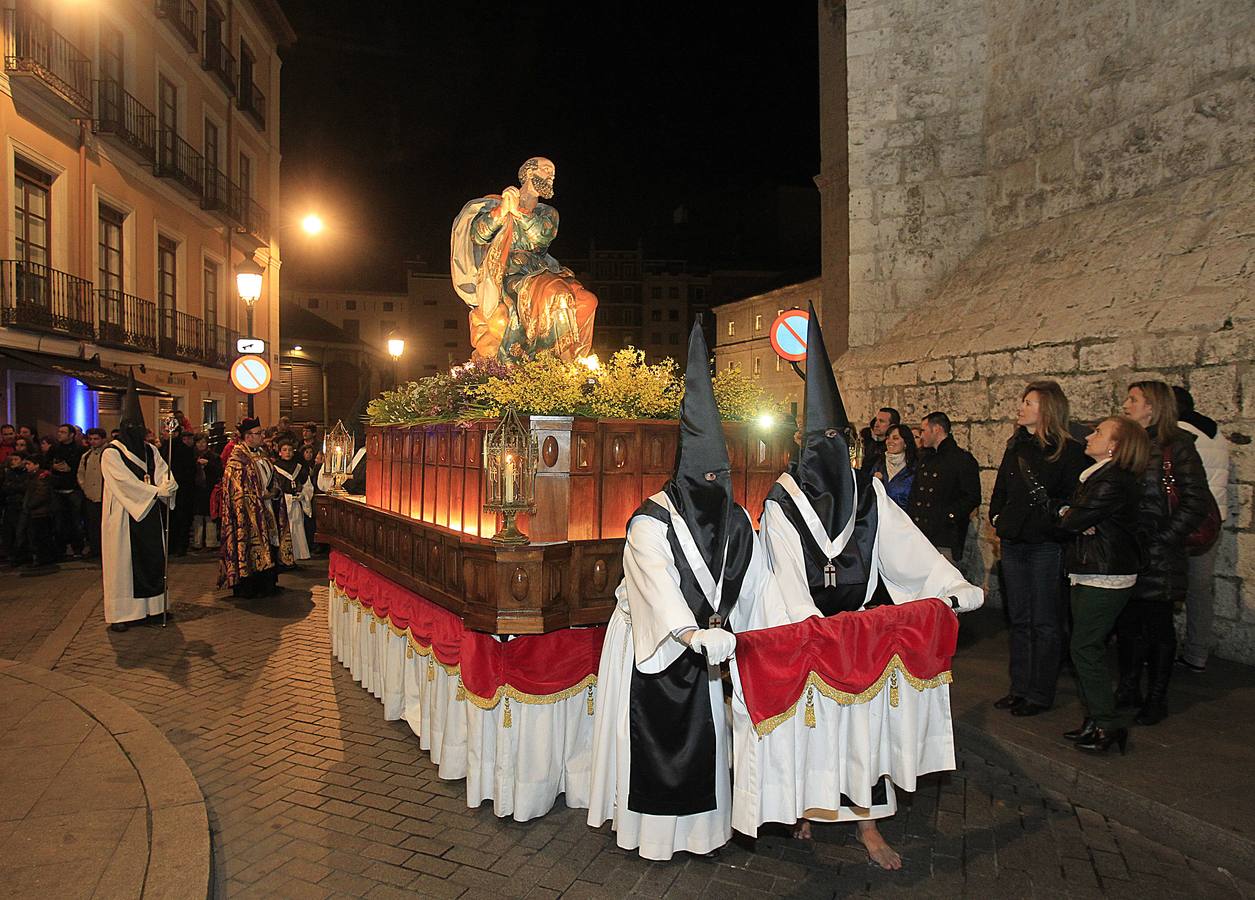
x,y
853,563
671,724
148,544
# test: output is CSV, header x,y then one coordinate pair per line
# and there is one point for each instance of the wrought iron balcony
x,y
181,15
126,321
177,160
119,114
33,47
181,336
218,59
38,298
220,346
253,102
256,222
223,196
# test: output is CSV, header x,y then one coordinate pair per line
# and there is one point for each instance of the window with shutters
x,y
210,278
167,273
31,212
109,247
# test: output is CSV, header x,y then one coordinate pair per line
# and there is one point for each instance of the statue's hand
x,y
510,201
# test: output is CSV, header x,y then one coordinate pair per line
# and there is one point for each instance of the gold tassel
x,y
359,614
508,720
346,604
431,668
590,700
809,718
893,688
461,689
409,652
372,625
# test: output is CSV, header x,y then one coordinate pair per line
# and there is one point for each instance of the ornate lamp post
x,y
337,455
396,347
248,285
510,456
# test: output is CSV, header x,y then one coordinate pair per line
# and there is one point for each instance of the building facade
x,y
139,171
743,340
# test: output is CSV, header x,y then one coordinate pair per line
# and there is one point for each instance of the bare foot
x,y
803,831
877,849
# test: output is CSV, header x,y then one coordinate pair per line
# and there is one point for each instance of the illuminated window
x,y
732,329
758,323
758,366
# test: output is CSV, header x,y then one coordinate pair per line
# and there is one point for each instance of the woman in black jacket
x,y
1040,467
1102,563
1145,631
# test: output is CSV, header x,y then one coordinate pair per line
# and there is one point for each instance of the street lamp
x,y
248,285
312,224
396,347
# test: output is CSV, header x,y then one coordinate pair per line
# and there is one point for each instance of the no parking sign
x,y
250,374
788,334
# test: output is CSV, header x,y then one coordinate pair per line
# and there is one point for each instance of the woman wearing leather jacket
x,y
1038,470
1145,632
1102,563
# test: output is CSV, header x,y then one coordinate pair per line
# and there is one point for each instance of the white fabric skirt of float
x,y
545,751
788,774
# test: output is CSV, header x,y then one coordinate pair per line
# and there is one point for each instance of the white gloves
x,y
167,488
717,643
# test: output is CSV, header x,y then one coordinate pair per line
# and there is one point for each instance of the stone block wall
x,y
1108,229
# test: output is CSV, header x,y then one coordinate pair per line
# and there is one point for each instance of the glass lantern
x,y
510,456
337,457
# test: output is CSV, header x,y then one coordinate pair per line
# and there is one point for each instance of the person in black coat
x,y
1147,637
182,462
1102,561
1041,466
946,488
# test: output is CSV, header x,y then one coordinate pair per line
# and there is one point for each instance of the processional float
x,y
471,583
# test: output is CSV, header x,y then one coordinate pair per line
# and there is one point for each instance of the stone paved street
x,y
311,793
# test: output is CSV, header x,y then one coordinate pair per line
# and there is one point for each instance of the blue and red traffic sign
x,y
788,334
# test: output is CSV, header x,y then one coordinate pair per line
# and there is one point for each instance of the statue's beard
x,y
542,186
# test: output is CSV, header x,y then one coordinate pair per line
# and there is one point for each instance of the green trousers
x,y
1094,613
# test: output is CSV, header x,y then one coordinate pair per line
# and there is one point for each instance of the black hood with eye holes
x,y
823,469
131,428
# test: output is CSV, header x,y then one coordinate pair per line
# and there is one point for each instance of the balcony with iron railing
x,y
123,117
177,160
220,346
182,16
219,60
222,195
256,223
34,48
253,102
38,298
180,336
126,321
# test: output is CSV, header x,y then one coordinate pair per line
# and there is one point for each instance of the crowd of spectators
x,y
51,487
1101,532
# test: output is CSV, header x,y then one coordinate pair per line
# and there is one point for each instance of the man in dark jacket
x,y
946,489
67,497
12,496
874,435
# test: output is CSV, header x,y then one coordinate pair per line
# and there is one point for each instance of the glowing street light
x,y
248,283
396,347
313,224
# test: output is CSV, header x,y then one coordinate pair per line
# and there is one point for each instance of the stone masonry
x,y
1061,190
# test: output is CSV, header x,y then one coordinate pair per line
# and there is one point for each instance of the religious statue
x,y
522,301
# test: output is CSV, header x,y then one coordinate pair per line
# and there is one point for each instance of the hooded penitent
x,y
823,464
705,502
131,428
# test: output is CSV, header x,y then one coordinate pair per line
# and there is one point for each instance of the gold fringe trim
x,y
891,673
506,692
507,720
509,692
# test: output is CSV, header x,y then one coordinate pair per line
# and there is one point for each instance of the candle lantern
x,y
854,441
510,456
337,457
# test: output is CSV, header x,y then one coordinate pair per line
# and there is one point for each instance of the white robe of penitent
x,y
800,772
299,505
651,609
125,497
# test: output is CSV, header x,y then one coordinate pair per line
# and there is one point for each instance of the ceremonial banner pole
x,y
169,425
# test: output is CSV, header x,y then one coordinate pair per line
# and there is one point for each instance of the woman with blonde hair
x,y
1039,470
1175,499
1102,561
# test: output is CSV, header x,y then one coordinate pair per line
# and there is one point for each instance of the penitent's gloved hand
x,y
716,643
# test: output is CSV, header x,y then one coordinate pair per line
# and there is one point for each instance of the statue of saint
x,y
521,300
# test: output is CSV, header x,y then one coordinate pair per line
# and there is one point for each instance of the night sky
x,y
395,114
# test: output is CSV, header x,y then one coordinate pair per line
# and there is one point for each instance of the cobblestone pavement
x,y
33,604
312,794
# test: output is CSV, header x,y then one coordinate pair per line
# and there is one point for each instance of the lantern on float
x,y
510,456
337,457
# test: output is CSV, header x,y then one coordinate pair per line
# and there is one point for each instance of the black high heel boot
x,y
1131,653
1102,738
1084,733
1155,709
